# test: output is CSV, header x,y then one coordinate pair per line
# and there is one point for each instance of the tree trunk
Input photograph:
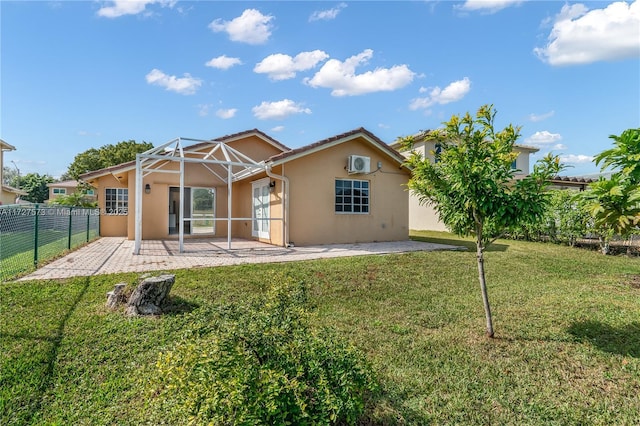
x,y
483,283
604,245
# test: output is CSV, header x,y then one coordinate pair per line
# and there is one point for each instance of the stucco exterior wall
x,y
7,197
110,225
312,198
424,217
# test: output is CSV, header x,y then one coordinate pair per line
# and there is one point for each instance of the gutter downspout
x,y
285,200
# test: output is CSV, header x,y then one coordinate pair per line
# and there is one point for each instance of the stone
x,y
150,295
116,297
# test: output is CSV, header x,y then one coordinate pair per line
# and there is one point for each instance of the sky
x,y
76,75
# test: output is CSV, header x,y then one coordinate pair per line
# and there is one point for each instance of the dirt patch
x,y
634,281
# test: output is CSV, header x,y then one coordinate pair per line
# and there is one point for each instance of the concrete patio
x,y
115,254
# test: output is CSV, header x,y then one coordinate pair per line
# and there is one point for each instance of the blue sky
x,y
82,74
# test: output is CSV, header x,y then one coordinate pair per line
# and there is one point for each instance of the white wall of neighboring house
x,y
424,217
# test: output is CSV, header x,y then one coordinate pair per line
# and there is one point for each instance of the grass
x,y
567,346
17,249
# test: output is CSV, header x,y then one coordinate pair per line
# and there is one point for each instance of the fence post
x,y
86,211
70,227
35,239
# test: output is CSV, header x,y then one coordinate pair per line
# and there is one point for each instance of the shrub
x,y
260,362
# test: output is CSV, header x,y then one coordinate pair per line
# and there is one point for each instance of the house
x,y
68,187
424,216
574,183
344,189
8,194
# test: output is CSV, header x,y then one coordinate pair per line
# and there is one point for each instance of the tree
x,y
624,156
76,199
472,185
614,203
106,156
9,176
615,207
35,185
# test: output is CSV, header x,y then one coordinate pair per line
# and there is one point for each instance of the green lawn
x,y
567,346
17,249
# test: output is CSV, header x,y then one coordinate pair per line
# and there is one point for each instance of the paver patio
x,y
115,254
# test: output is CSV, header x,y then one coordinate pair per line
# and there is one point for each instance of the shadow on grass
x,y
176,305
624,340
35,398
469,245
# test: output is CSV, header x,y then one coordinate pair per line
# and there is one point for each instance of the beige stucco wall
x,y
312,219
7,197
110,225
312,198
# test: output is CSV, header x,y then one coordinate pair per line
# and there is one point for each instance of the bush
x,y
261,363
564,220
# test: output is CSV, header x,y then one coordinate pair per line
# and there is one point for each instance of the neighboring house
x,y
574,183
8,194
345,189
68,187
424,217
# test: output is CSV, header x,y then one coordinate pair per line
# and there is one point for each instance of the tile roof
x,y
321,144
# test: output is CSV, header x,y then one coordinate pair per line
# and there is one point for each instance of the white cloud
x,y
559,147
488,6
186,85
580,36
203,109
223,62
543,138
251,27
225,114
453,92
85,133
540,117
277,129
278,110
341,77
327,15
282,67
130,7
576,159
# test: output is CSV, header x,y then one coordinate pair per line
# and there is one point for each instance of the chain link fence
x,y
32,234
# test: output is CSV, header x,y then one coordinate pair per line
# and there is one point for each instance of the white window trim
x,y
213,218
352,213
119,210
261,183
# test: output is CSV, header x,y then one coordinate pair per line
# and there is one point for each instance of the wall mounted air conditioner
x,y
358,164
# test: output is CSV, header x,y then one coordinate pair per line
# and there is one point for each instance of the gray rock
x,y
116,297
150,295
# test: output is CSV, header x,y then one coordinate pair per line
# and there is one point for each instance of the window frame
x,y
121,200
59,191
340,202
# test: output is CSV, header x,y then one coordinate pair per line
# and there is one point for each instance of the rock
x,y
116,297
150,295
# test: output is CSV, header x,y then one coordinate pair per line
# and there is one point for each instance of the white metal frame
x,y
213,155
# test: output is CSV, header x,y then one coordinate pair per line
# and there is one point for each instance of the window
x,y
514,165
89,192
59,191
437,152
116,201
203,210
352,196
